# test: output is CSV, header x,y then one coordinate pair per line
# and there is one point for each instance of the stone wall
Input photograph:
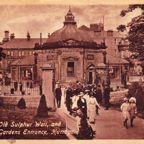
x,y
31,101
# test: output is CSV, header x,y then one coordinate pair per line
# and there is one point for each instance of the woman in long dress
x,y
92,108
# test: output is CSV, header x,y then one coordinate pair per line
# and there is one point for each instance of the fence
x,y
24,88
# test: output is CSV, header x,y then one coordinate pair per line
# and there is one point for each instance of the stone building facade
x,y
72,53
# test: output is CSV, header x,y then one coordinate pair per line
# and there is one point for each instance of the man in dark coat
x,y
58,96
81,103
98,97
69,95
107,96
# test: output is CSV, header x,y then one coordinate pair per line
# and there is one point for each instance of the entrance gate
x,y
47,85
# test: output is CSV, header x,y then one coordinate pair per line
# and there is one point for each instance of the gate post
x,y
47,85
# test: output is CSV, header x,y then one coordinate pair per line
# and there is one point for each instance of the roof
x,y
19,43
69,31
85,28
27,61
114,60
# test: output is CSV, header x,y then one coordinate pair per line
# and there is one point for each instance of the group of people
x,y
129,110
87,99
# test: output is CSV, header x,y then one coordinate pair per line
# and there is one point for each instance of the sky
x,y
46,18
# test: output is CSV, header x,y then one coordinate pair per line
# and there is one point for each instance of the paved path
x,y
109,125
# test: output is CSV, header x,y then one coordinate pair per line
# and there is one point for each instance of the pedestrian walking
x,y
133,110
107,96
125,107
92,108
81,103
98,97
21,87
86,96
69,95
58,96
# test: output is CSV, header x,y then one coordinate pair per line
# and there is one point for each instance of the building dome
x,y
70,35
69,31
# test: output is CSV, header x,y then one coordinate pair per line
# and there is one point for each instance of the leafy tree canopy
x,y
136,30
2,55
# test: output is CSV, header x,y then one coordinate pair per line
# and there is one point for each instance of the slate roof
x,y
27,61
18,43
85,28
114,60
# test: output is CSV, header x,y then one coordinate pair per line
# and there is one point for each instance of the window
x,y
30,52
19,53
8,53
114,41
70,69
8,62
110,33
11,53
90,57
97,33
22,53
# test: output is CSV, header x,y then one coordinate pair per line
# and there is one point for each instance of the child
x,y
125,110
133,109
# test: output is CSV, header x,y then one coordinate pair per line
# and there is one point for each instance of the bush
x,y
136,90
22,104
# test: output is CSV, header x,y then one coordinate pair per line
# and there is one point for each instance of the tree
x,y
136,31
2,55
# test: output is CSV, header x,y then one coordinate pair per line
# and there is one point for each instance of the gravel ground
x,y
23,124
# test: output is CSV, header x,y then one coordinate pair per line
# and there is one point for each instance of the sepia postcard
x,y
71,70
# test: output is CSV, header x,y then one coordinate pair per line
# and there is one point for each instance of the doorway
x,y
90,77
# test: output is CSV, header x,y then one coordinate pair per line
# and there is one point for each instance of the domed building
x,y
72,53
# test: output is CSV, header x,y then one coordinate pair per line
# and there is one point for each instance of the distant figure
x,y
21,86
125,111
69,95
133,109
27,84
117,89
107,96
79,87
12,90
21,104
81,103
92,108
85,130
42,109
98,97
58,96
15,85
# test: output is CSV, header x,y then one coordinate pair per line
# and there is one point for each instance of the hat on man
x,y
87,90
81,94
125,99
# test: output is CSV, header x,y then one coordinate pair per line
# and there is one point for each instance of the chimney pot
x,y
6,38
12,36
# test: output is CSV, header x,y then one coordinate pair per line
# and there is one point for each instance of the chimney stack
x,y
6,38
28,36
12,36
40,39
48,35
